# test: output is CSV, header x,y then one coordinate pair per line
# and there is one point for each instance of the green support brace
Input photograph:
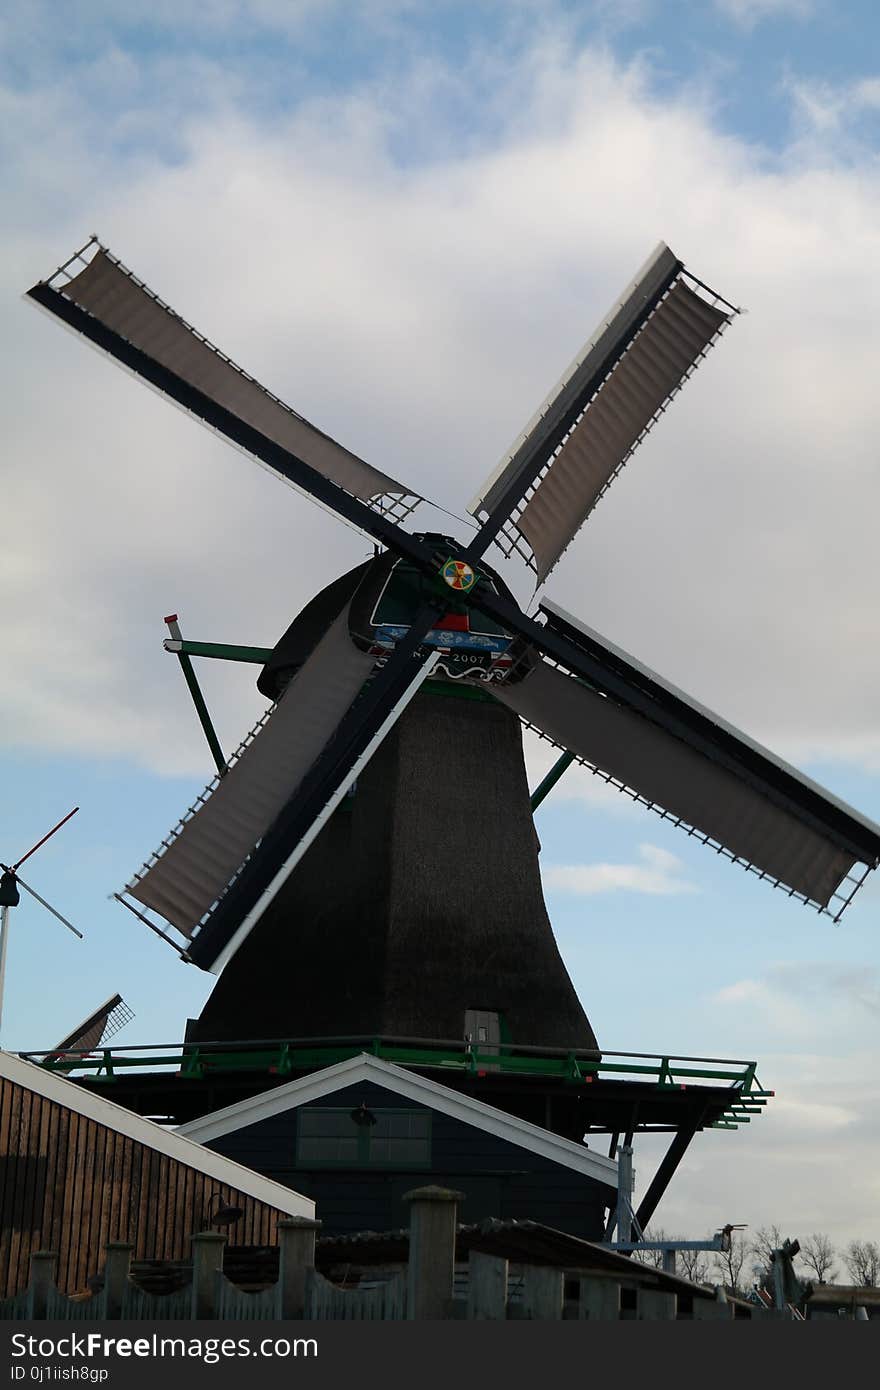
x,y
220,651
561,765
197,697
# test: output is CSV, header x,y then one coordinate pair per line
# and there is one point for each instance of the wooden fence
x,y
429,1287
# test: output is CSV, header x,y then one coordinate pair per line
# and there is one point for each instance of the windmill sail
x,y
112,296
605,403
190,874
707,776
101,1025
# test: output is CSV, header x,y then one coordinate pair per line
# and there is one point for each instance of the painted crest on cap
x,y
458,575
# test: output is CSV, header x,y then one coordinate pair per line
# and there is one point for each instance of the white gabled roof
x,y
172,1143
413,1087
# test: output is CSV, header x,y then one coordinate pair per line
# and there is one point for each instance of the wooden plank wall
x,y
69,1184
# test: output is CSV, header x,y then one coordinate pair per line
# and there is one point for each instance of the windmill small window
x,y
482,1032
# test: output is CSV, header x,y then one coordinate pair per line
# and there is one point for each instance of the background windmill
x,y
10,882
98,1027
353,676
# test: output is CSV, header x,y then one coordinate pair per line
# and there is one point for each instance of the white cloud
x,y
419,310
749,13
834,122
791,996
657,875
812,1116
783,1168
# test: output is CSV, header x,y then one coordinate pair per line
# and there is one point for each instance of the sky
x,y
405,218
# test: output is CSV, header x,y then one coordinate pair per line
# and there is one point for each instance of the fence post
x,y
296,1254
42,1279
542,1293
207,1264
599,1300
432,1220
487,1286
116,1270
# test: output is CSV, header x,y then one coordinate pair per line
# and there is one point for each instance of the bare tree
x,y
693,1265
654,1258
863,1262
818,1254
690,1264
765,1240
729,1263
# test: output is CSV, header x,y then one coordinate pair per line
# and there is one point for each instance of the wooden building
x,y
358,1135
77,1171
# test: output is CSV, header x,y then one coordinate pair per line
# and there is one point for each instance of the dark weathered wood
x,y
16,1174
72,1265
428,873
172,1197
70,1184
57,1155
11,1136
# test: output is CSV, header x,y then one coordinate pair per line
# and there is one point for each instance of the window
x,y
483,1028
331,1138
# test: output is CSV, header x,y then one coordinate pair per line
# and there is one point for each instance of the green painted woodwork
x,y
284,1059
563,762
223,651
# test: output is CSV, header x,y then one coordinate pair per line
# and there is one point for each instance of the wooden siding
x,y
498,1178
70,1184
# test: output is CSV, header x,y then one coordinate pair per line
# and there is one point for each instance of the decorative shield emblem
x,y
458,575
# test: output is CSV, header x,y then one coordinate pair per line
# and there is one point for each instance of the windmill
x,y
326,904
98,1027
10,882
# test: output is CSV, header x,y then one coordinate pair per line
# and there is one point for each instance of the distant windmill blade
x,y
196,869
99,1027
605,403
692,767
100,298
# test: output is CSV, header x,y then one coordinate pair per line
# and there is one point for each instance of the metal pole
x,y
49,908
624,1193
4,941
197,696
46,837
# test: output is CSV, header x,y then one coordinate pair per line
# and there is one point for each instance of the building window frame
x,y
365,1142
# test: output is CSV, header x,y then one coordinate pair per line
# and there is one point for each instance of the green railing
x,y
198,1060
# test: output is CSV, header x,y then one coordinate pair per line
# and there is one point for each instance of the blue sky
x,y
405,218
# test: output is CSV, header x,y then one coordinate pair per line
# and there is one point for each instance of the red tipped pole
x,y
45,838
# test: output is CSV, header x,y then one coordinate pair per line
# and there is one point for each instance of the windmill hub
x,y
458,574
384,597
9,894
